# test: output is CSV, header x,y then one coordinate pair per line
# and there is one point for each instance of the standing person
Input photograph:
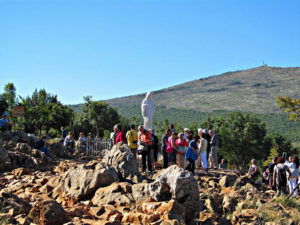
x,y
214,143
90,143
132,138
294,168
112,137
41,145
271,171
203,152
63,132
253,170
164,144
120,135
171,127
279,176
186,132
191,154
172,149
154,148
145,140
81,143
181,144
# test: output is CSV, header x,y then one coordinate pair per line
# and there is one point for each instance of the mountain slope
x,y
252,90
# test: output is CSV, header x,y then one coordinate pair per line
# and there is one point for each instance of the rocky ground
x,y
111,190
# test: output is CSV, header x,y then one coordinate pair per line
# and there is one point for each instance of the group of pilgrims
x,y
183,149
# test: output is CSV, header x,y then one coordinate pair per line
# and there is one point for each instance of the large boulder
x,y
58,149
180,185
83,181
48,212
4,159
121,158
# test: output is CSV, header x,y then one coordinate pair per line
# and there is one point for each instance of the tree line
x,y
243,136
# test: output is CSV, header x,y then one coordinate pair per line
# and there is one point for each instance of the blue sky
x,y
113,48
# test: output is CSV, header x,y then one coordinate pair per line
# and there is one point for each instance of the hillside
x,y
252,90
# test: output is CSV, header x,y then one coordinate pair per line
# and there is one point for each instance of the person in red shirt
x,y
120,137
182,145
145,139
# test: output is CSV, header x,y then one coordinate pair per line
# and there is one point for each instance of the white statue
x,y
147,111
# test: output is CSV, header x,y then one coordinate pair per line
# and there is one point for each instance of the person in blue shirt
x,y
4,123
191,154
41,145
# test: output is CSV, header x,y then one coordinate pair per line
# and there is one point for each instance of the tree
x,y
290,106
3,104
273,153
241,139
42,111
100,115
10,96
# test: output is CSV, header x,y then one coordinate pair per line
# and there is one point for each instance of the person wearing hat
x,y
186,132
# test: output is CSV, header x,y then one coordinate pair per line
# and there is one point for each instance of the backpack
x,y
282,180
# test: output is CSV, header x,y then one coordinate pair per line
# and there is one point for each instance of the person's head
x,y
253,161
275,158
81,134
117,128
174,134
44,138
168,131
291,159
70,133
211,133
180,135
200,131
62,128
89,134
132,126
186,130
280,160
196,138
223,161
171,126
141,128
4,115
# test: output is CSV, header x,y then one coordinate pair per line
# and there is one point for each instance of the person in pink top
x,y
181,144
171,148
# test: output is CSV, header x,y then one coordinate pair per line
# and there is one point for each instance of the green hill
x,y
252,91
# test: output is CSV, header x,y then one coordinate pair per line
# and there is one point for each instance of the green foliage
x,y
106,134
42,111
10,96
3,104
273,153
290,106
98,115
241,138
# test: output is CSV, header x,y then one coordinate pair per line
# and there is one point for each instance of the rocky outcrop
x,y
83,181
181,186
48,212
121,158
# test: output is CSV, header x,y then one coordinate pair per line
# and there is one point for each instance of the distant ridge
x,y
251,90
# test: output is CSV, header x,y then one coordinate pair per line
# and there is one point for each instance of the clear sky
x,y
118,48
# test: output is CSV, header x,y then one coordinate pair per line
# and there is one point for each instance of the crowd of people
x,y
282,175
185,149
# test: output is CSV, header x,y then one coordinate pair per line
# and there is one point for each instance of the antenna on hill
x,y
264,64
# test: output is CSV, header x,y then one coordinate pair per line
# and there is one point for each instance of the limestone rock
x,y
113,194
121,158
180,185
83,181
48,212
